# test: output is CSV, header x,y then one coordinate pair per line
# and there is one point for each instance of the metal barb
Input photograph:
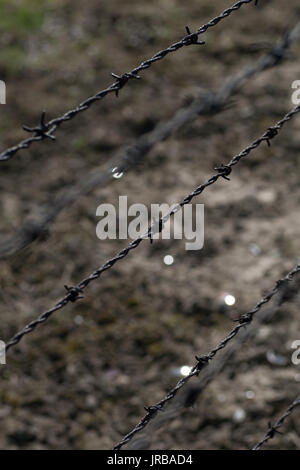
x,y
245,319
202,361
73,293
191,38
42,130
123,79
269,134
224,171
152,409
273,429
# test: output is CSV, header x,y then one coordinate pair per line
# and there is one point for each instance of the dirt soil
x,y
81,380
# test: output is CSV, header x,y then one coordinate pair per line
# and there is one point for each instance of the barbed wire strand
x,y
189,395
273,429
223,171
45,130
202,361
206,103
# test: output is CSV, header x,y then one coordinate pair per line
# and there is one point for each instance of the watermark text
x,y
133,222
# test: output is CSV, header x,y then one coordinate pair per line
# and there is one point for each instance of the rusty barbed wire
x,y
76,291
202,361
206,103
45,130
273,429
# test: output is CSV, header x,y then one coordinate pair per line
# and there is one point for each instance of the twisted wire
x,y
74,293
202,361
45,130
273,429
129,156
191,392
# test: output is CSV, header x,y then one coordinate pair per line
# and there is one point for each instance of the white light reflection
x,y
168,260
117,174
185,370
229,299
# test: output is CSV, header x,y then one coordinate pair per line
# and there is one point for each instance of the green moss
x,y
18,20
79,143
20,17
13,59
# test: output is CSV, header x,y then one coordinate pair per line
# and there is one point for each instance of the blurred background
x,y
81,380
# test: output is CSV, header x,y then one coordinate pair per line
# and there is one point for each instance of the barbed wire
x,y
189,395
45,129
273,429
223,171
202,361
127,157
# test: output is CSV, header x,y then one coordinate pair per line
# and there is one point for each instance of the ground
x,y
81,380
